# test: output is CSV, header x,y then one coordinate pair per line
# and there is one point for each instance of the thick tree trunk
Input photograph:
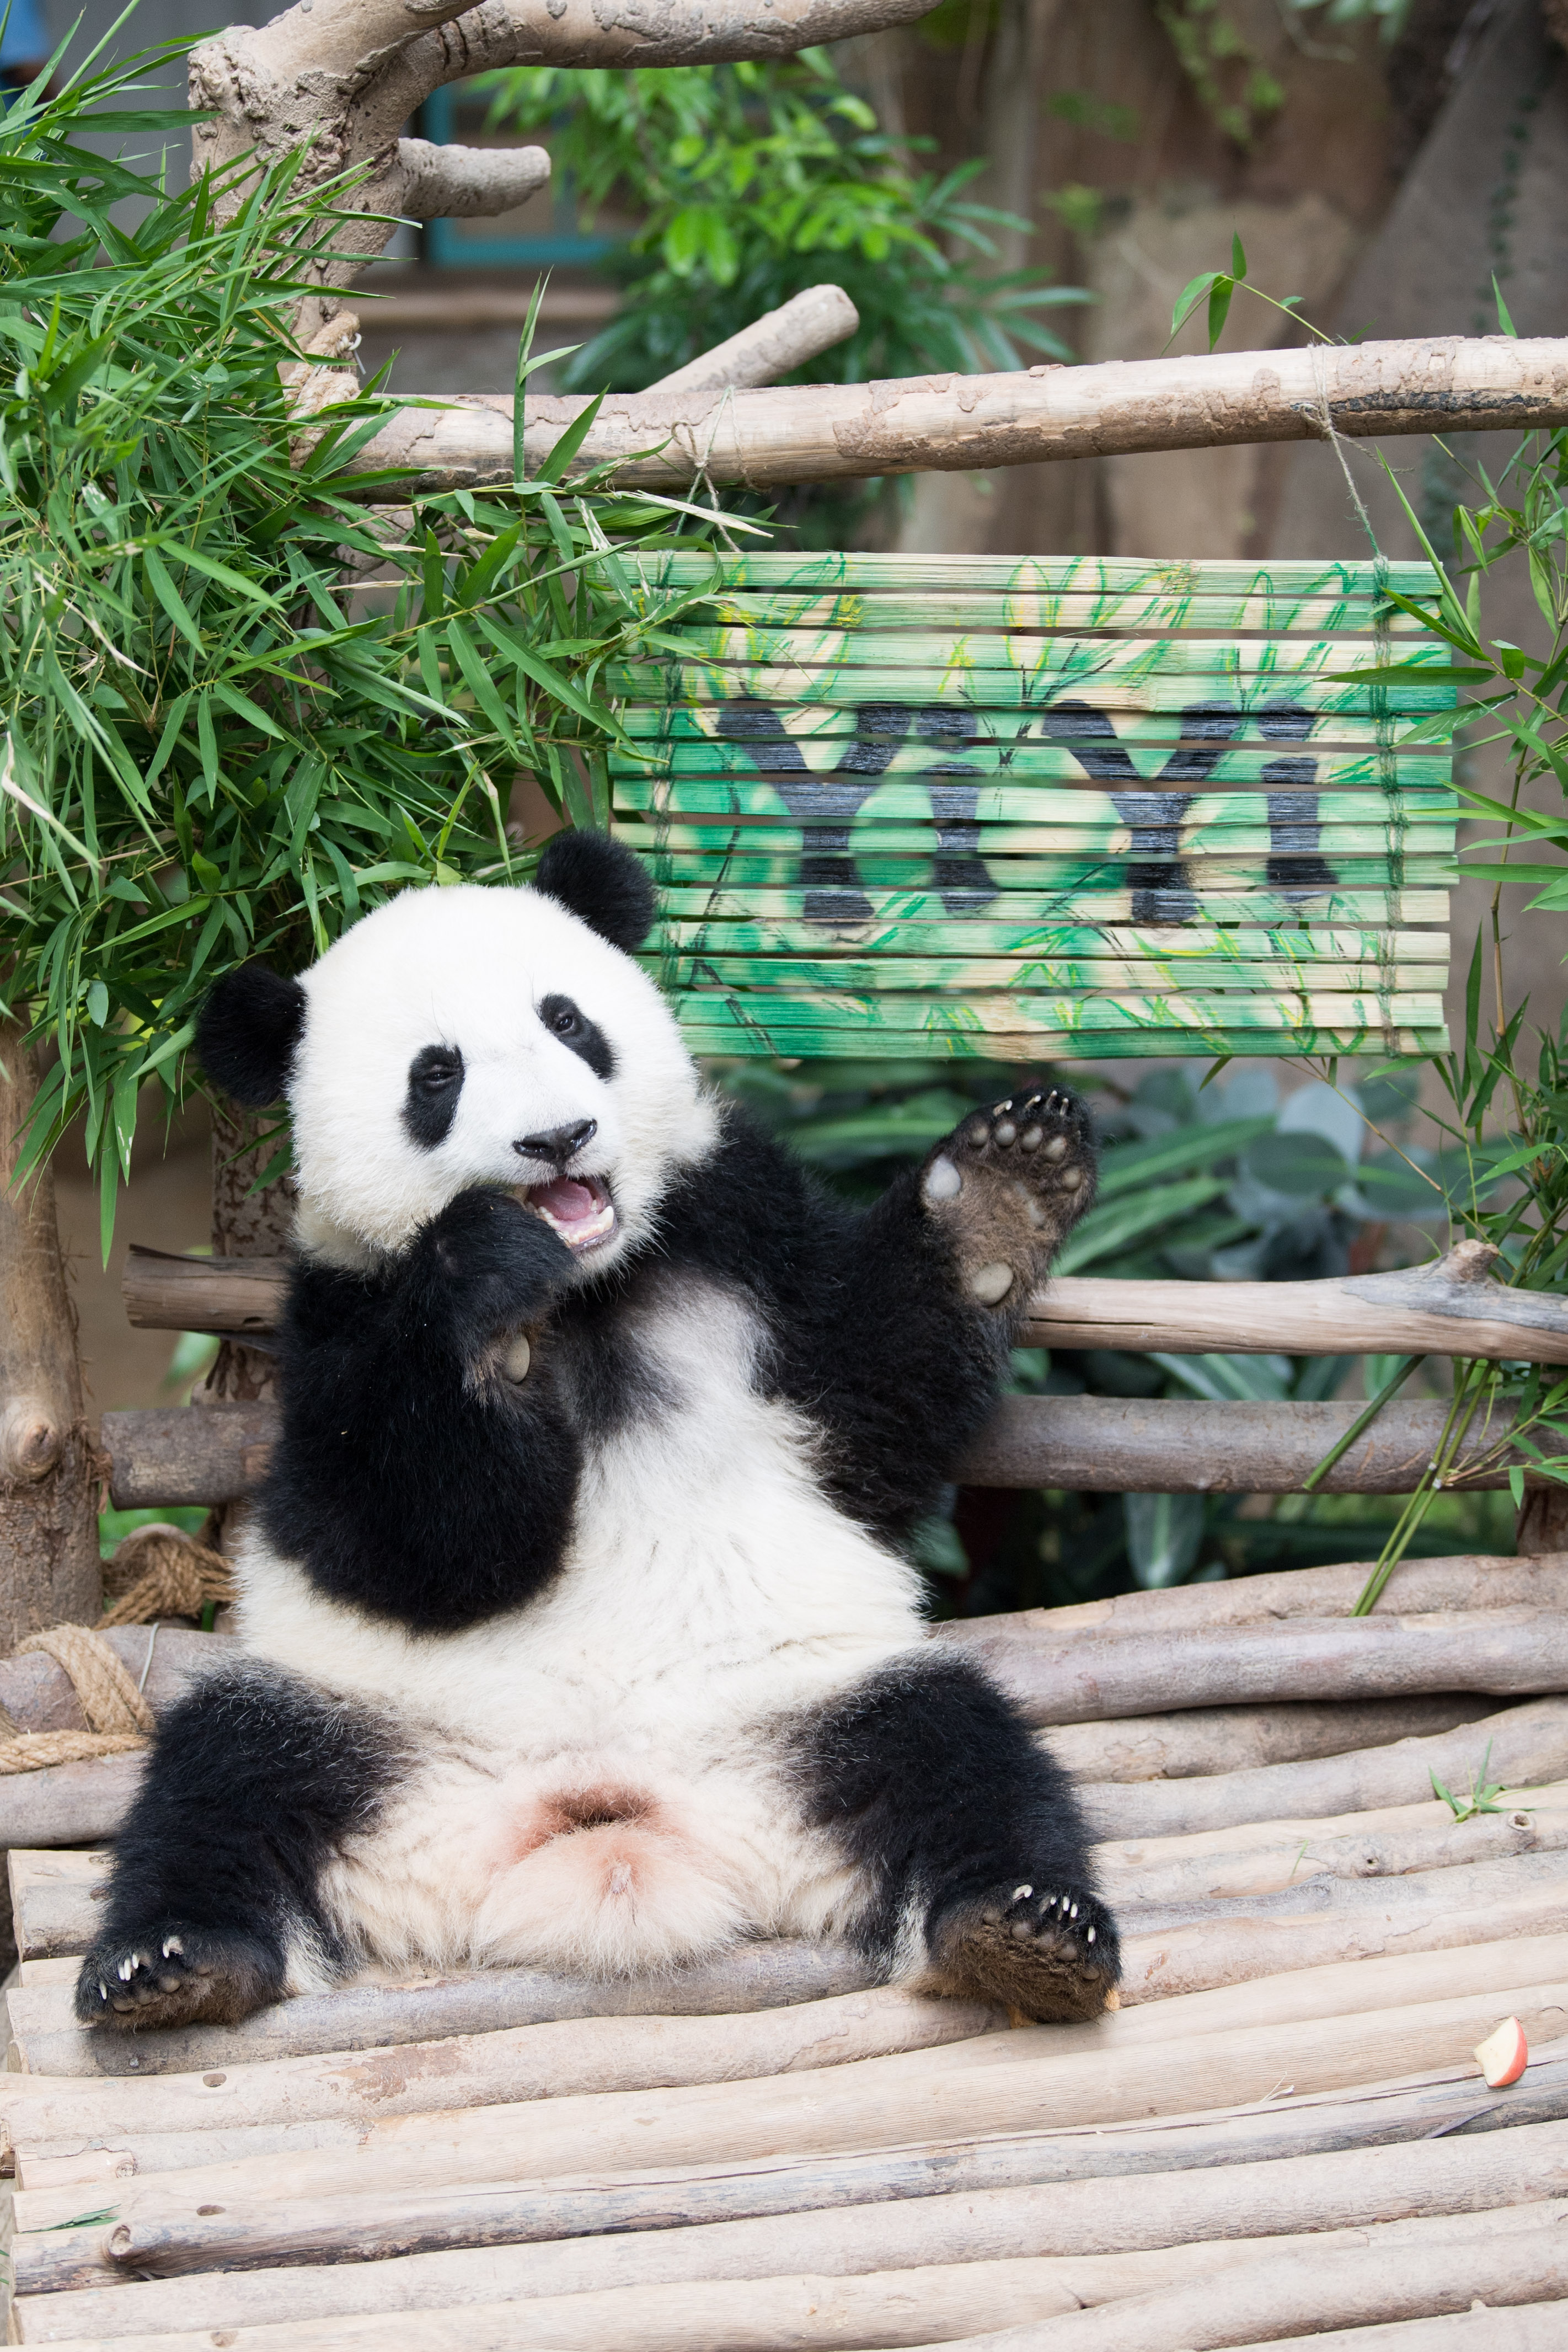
x,y
49,1568
247,1222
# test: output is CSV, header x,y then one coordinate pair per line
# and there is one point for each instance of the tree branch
x,y
772,346
467,183
341,78
963,423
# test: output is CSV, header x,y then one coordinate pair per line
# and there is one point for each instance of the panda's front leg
x,y
215,1909
1005,1189
968,1853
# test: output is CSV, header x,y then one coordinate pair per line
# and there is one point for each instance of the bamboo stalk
x,y
1529,1744
877,2101
335,2265
941,2301
1203,1740
1422,2110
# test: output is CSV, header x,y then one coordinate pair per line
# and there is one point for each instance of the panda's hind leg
x,y
968,1848
254,1780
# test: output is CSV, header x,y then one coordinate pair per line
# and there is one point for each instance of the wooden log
x,y
1264,1858
510,2067
1117,1445
1095,1444
59,2135
1070,1680
335,2269
1529,1744
186,1454
1411,1840
876,2101
1451,1308
376,2014
1415,1587
774,345
1289,2293
930,423
1434,1310
1425,2109
37,1694
67,1804
1523,2327
1210,1739
938,2302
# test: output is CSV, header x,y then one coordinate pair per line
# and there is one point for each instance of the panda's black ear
x,y
247,1032
602,883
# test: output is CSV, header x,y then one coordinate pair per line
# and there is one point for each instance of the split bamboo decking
x,y
1282,2134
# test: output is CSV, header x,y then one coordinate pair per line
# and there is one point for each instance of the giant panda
x,y
575,1628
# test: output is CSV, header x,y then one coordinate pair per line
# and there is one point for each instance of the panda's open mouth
x,y
578,1208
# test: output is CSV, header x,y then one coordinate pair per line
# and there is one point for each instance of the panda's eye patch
x,y
434,1083
582,1036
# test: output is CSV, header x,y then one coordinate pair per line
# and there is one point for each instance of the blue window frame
x,y
464,245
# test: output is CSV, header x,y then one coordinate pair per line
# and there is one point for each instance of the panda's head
x,y
468,1036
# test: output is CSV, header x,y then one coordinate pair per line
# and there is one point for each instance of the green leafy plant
x,y
236,712
751,182
1480,1798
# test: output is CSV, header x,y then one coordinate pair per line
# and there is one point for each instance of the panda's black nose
x,y
559,1145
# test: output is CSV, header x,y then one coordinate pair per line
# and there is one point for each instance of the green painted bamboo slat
x,y
921,914
900,936
1287,727
751,1036
1254,764
867,800
1089,576
1042,808
1063,975
995,688
1135,610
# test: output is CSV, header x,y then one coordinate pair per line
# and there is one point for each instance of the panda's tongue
x,y
581,1213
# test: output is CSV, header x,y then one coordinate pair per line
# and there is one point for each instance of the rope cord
x,y
160,1572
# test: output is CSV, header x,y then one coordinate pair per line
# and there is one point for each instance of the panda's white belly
x,y
599,1781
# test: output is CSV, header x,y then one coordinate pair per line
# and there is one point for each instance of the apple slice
x,y
1503,2056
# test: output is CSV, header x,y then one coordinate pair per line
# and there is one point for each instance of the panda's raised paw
x,y
1008,1184
1049,1953
491,1265
177,1975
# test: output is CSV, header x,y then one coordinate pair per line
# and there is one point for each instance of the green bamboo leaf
x,y
169,597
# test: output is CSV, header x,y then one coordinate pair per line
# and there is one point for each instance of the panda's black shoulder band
x,y
248,1031
601,882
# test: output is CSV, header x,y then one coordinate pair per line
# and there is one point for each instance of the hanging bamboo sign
x,y
1032,809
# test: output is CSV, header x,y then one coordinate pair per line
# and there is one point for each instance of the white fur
x,y
468,967
710,1593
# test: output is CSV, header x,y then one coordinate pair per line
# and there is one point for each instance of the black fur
x,y
937,1792
873,1338
413,1478
247,1032
253,1782
602,883
568,1022
435,1084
